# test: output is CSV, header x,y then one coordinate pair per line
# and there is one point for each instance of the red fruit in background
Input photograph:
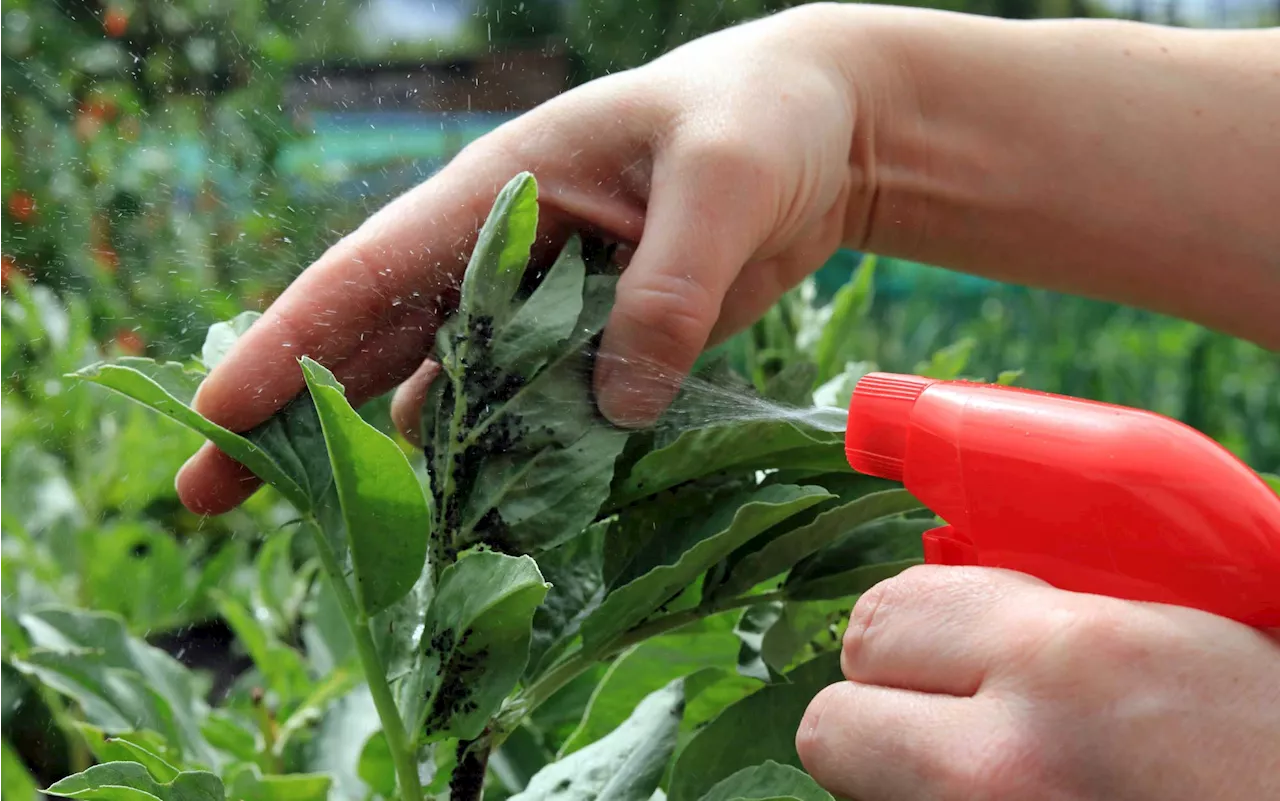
x,y
130,342
115,22
22,206
7,266
99,108
107,258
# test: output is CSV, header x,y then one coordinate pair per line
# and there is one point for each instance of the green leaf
x,y
129,781
335,685
476,641
386,515
850,582
837,391
168,389
279,592
1273,481
535,331
860,559
547,499
142,747
626,765
774,637
502,250
643,669
520,458
736,739
340,740
949,362
280,665
852,302
16,782
122,684
246,783
1008,377
671,562
376,767
753,626
783,552
138,571
575,572
739,446
222,336
768,781
231,733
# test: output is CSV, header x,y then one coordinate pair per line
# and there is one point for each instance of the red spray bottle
x,y
1087,496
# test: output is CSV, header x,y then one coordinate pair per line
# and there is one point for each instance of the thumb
x,y
701,227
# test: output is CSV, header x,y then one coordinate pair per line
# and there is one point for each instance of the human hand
x,y
729,165
974,683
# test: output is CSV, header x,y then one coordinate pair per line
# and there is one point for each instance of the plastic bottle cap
x,y
879,414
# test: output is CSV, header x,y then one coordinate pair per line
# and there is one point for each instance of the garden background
x,y
169,164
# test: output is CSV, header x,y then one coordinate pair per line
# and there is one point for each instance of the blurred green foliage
x,y
142,202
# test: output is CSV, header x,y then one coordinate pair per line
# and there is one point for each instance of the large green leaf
x,y
626,765
386,516
854,581
643,669
671,562
121,683
859,559
246,783
168,389
783,552
575,572
476,642
768,781
129,781
743,446
736,739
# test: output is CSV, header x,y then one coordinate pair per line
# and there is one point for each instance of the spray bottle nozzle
x,y
879,417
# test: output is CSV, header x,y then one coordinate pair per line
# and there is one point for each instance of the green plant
x,y
552,552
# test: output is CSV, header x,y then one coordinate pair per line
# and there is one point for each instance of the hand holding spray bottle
x,y
1087,496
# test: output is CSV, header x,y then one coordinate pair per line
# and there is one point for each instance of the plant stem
x,y
402,755
467,782
79,758
555,679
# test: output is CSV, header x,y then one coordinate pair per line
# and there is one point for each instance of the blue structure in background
x,y
376,155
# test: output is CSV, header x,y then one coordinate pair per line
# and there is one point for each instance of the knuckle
x,y
728,161
868,618
675,313
995,765
812,739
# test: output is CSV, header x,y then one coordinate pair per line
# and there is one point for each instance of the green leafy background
x,y
615,605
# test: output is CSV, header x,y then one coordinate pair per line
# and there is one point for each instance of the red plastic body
x,y
1087,496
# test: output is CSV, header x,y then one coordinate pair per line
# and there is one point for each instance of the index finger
x,y
351,309
398,262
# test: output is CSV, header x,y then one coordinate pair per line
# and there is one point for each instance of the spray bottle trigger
x,y
946,546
